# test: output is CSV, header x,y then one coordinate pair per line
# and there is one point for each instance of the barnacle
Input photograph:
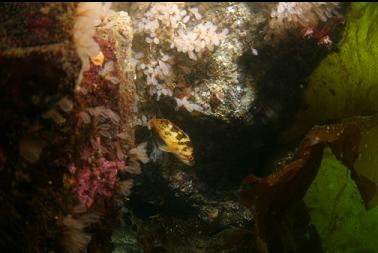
x,y
66,104
139,153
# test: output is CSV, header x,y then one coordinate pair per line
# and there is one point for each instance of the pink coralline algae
x,y
100,180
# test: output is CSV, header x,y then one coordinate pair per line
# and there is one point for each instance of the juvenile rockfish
x,y
176,141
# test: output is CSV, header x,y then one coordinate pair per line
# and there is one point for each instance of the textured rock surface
x,y
43,118
39,34
35,24
119,94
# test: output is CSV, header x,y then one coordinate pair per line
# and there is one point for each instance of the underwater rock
x,y
38,35
163,200
35,24
110,85
172,54
44,104
228,73
105,115
218,209
190,55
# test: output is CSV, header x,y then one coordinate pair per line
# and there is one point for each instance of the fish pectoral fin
x,y
164,148
160,144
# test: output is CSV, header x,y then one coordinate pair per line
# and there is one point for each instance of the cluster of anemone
x,y
88,16
175,34
294,16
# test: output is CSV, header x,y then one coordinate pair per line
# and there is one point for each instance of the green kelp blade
x,y
345,84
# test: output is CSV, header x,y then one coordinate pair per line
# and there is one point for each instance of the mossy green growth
x,y
345,83
337,210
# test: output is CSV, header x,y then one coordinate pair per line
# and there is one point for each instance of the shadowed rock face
x,y
251,98
35,24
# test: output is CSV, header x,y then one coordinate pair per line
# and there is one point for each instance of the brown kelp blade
x,y
273,197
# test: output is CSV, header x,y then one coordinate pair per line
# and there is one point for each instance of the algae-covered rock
x,y
190,57
47,128
233,73
35,24
38,35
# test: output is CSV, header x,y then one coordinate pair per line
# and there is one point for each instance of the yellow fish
x,y
176,140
